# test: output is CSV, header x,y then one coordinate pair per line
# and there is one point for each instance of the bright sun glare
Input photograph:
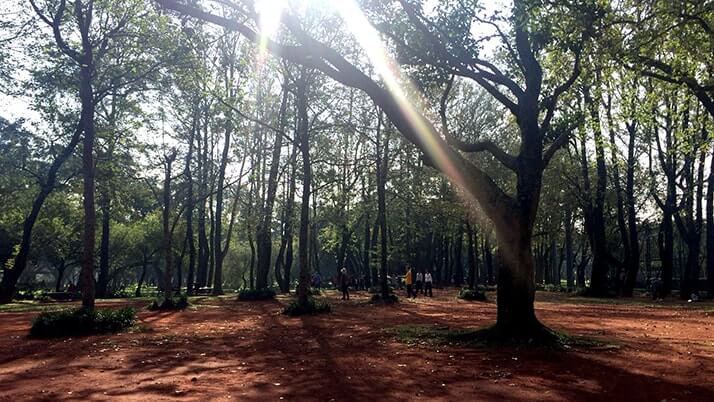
x,y
270,12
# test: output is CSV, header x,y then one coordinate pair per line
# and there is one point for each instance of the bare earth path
x,y
230,350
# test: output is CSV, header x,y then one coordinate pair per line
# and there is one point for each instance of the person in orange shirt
x,y
408,280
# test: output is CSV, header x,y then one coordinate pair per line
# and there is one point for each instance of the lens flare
x,y
388,69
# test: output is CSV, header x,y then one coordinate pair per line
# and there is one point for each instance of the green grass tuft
x,y
256,294
313,306
471,294
446,336
78,322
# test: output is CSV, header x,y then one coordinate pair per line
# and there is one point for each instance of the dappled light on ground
x,y
224,349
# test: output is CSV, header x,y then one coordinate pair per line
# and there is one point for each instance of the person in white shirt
x,y
427,284
419,283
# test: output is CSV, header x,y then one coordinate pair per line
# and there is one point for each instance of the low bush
x,y
256,294
313,306
550,287
314,292
81,321
378,289
175,303
471,294
391,298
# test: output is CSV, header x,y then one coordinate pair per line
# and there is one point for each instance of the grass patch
x,y
78,322
447,336
313,306
174,303
256,294
472,294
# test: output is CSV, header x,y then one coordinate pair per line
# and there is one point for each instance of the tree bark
x,y
304,138
595,216
166,215
103,280
11,275
633,264
263,234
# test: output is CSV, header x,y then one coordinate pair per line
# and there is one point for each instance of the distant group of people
x,y
424,283
420,283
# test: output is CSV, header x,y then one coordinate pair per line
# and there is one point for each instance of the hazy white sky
x,y
13,107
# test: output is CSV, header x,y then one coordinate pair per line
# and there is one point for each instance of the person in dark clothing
x,y
344,282
428,281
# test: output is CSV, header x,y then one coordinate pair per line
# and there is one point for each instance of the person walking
x,y
408,280
316,280
419,283
344,282
428,281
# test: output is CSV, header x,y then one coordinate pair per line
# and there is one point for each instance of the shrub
x,y
175,303
391,298
314,292
256,294
377,289
81,321
472,294
313,306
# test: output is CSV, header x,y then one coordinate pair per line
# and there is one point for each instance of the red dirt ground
x,y
230,350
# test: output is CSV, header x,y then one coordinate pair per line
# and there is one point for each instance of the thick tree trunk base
x,y
6,296
530,333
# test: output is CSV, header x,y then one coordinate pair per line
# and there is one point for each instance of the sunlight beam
x,y
388,69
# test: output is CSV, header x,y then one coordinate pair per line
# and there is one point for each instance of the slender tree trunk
x,y
60,276
620,205
382,170
569,259
458,263
190,282
11,275
633,264
218,216
304,138
710,232
203,244
594,216
263,236
140,283
167,248
102,282
471,256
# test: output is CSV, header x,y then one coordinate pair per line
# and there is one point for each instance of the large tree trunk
x,y
86,95
516,287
